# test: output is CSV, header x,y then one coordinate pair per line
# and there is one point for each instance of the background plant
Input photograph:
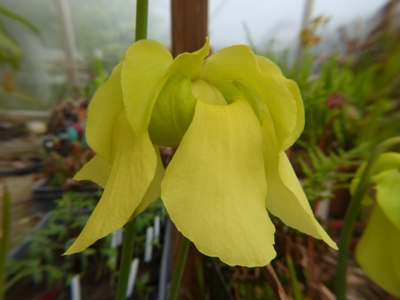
x,y
45,245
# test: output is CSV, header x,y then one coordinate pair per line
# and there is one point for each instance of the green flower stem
x,y
351,214
126,258
176,281
4,241
142,9
297,294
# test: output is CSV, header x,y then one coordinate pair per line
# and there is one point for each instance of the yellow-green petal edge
x,y
285,196
97,170
103,110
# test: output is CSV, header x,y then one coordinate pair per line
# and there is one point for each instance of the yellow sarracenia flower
x,y
231,116
378,250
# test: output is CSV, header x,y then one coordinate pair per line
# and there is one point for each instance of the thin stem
x,y
5,238
142,8
351,214
126,258
176,281
297,295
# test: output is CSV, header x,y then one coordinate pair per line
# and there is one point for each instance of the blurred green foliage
x,y
351,102
45,245
349,99
10,52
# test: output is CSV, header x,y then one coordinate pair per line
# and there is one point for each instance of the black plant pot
x,y
44,194
21,252
158,269
30,165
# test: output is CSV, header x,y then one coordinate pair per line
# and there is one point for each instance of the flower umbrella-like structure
x,y
231,116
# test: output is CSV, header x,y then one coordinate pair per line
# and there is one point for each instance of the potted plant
x,y
38,266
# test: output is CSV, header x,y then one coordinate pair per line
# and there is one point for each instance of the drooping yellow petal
x,y
239,63
133,168
97,170
144,66
214,188
154,190
388,196
285,196
190,64
378,251
103,110
269,69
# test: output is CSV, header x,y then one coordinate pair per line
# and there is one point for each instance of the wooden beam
x,y
189,32
189,25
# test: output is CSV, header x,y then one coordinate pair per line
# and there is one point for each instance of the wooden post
x,y
189,25
189,32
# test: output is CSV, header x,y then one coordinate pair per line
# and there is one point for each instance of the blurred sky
x,y
104,29
265,19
